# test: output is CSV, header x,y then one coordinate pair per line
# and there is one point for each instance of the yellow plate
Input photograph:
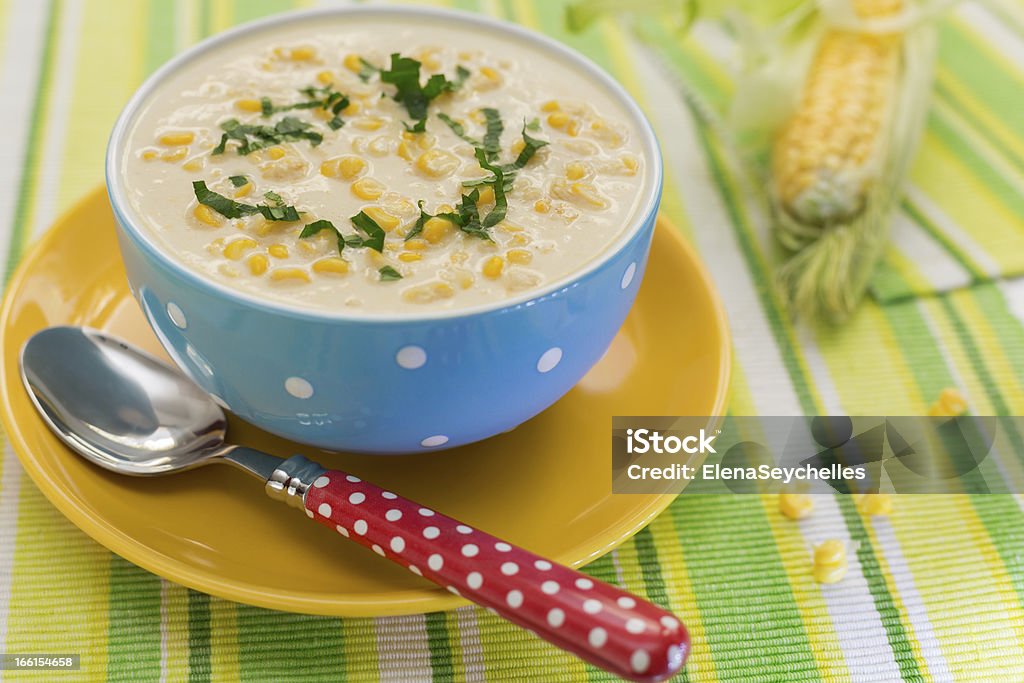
x,y
545,486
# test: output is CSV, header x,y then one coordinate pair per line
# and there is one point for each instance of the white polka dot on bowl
x,y
397,544
549,359
321,482
298,387
324,509
411,357
627,277
177,316
556,617
434,441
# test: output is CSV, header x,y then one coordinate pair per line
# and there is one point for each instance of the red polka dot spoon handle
x,y
598,622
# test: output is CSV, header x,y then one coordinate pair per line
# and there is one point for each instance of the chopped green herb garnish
x,y
252,138
277,210
266,106
238,180
532,144
497,214
492,138
388,273
533,124
458,129
366,70
228,208
315,227
417,228
404,74
375,233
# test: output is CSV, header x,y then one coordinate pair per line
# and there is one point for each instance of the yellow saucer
x,y
545,486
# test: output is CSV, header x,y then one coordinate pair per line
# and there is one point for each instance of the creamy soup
x,y
379,164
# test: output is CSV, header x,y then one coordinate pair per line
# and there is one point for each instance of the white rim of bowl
x,y
118,136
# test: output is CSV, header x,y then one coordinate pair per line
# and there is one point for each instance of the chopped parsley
x,y
492,137
275,210
417,228
238,180
315,227
497,214
387,273
326,98
251,138
366,70
533,124
375,234
404,74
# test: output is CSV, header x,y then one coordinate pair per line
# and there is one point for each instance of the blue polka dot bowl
x,y
386,383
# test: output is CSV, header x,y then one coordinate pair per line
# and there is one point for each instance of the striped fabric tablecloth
x,y
935,591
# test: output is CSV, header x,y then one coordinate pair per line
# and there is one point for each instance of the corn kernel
x,y
282,274
952,401
489,73
437,164
795,505
382,218
436,229
427,292
550,105
573,127
630,163
207,215
575,170
177,155
352,108
177,139
831,552
193,164
325,77
409,256
520,256
346,167
493,266
369,123
829,573
589,194
331,264
249,105
541,206
558,120
486,195
367,188
244,190
275,152
415,244
278,250
258,264
353,63
405,150
520,239
877,504
237,248
302,54
517,147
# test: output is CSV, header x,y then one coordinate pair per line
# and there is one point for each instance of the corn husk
x,y
834,240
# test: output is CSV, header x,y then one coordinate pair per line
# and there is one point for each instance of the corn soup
x,y
378,166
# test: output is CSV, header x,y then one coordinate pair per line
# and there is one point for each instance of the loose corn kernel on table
x,y
934,586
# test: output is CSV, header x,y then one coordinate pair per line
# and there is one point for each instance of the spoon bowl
x,y
118,406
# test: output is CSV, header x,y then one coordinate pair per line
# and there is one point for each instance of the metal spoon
x,y
130,413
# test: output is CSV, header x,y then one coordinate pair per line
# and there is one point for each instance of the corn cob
x,y
837,163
